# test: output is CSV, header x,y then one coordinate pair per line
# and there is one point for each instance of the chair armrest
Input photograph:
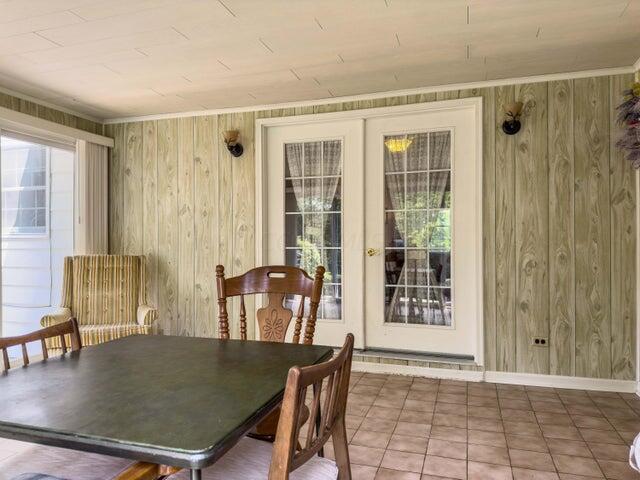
x,y
146,315
60,316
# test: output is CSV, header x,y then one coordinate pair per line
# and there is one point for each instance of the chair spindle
x,y
298,327
243,319
223,315
5,358
45,350
25,354
63,342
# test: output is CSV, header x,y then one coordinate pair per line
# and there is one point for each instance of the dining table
x,y
176,401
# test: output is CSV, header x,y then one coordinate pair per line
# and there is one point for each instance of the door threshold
x,y
415,356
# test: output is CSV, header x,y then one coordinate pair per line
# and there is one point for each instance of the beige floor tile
x,y
377,425
554,418
445,467
422,396
618,470
389,401
488,454
412,429
526,474
485,471
363,472
576,448
527,442
405,461
384,413
449,433
452,398
576,465
522,428
512,415
479,401
450,420
600,436
548,407
484,412
385,474
515,404
365,455
418,405
495,439
570,476
485,424
448,449
451,408
597,423
405,443
531,460
415,417
606,451
353,421
590,410
560,431
367,438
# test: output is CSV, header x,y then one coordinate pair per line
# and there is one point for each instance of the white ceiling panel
x,y
112,58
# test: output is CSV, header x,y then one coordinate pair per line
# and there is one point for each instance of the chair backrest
x,y
69,327
104,289
280,283
330,384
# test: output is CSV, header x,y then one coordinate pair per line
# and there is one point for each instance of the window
x,y
24,187
418,228
313,215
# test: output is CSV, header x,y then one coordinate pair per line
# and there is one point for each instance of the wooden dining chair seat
x,y
67,334
279,283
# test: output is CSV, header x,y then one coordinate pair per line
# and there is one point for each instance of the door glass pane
x,y
313,216
418,228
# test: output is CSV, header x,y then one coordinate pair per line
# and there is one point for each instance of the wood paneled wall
x,y
46,113
559,221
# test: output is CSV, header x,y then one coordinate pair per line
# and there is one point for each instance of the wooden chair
x,y
295,447
278,282
59,331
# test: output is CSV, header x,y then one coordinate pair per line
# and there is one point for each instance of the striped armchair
x,y
107,295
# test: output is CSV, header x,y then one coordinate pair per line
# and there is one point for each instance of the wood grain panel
x,y
167,225
623,247
532,230
489,226
205,151
592,227
244,202
562,319
150,207
505,250
116,190
225,212
133,210
185,322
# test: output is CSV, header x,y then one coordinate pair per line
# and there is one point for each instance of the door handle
x,y
372,251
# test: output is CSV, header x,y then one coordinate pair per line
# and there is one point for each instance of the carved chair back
x,y
278,282
60,330
330,386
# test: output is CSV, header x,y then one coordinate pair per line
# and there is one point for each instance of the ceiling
x,y
121,58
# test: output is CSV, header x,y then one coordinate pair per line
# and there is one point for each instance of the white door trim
x,y
262,124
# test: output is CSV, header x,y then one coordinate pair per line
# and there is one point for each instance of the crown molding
x,y
28,98
378,95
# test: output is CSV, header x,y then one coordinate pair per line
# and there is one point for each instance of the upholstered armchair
x,y
107,295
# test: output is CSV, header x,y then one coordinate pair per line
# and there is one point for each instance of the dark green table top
x,y
171,400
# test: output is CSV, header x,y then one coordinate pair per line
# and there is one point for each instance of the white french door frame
x,y
261,126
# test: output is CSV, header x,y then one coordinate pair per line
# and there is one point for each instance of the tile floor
x,y
408,428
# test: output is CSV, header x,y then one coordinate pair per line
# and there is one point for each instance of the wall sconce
x,y
511,124
231,139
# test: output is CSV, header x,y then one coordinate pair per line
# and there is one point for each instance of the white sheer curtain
x,y
91,215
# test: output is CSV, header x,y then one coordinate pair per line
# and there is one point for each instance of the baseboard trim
x,y
416,371
529,379
560,381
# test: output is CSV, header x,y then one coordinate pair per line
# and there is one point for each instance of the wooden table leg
x,y
146,471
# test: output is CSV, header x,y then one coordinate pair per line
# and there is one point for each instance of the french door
x,y
314,216
397,223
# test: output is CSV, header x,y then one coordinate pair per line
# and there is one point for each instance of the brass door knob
x,y
372,251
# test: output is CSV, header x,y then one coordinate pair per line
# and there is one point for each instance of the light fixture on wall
x,y
231,139
511,124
